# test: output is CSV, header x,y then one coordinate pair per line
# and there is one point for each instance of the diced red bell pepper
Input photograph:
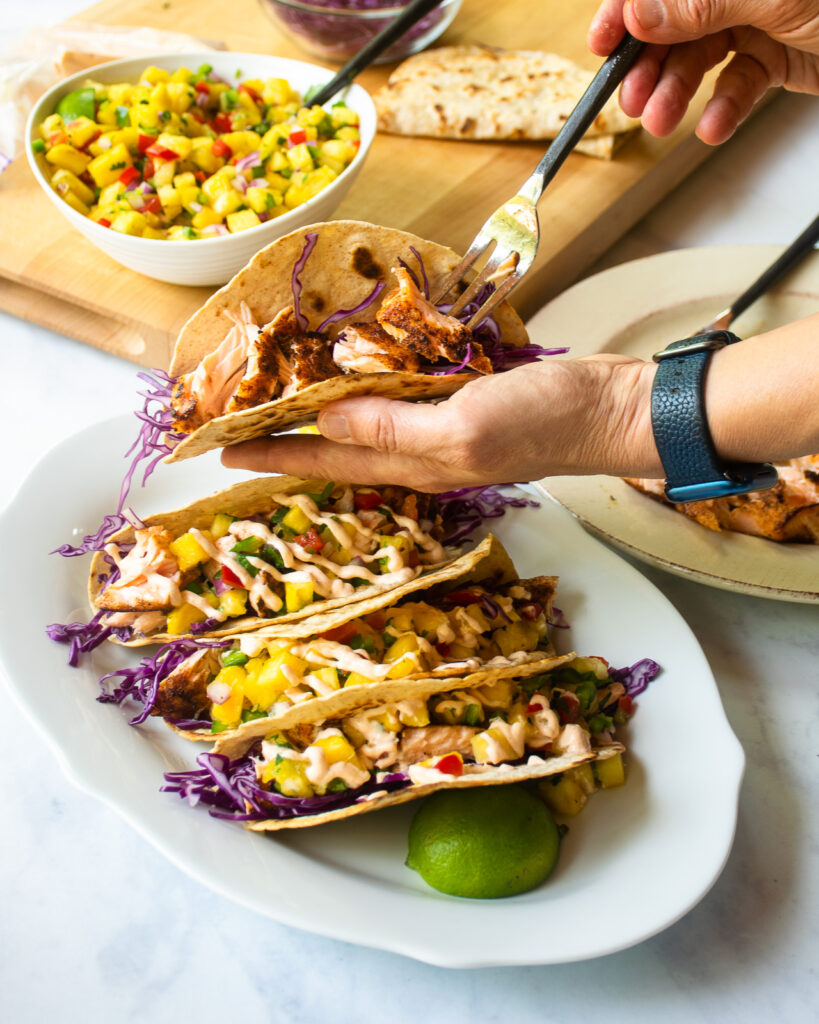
x,y
105,222
297,137
153,205
451,764
197,115
161,152
202,87
230,577
567,707
144,142
536,705
626,705
341,634
251,92
222,123
366,499
413,558
462,597
128,175
310,540
199,175
148,170
220,148
57,139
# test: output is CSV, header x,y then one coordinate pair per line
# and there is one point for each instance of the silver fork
x,y
513,228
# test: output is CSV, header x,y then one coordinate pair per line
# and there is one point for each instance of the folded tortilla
x,y
262,497
419,737
348,260
325,673
479,92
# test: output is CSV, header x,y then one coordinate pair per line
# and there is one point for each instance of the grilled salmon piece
x,y
184,693
300,358
149,575
368,348
417,325
788,511
433,740
204,393
265,367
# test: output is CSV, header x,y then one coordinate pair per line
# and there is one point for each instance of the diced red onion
x,y
259,183
251,160
218,693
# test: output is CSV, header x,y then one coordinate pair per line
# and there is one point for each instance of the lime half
x,y
485,842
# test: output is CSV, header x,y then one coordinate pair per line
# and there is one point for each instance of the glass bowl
x,y
336,30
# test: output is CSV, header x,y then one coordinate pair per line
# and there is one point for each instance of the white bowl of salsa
x,y
203,258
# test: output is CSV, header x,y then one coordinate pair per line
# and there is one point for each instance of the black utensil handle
x,y
795,252
396,28
610,75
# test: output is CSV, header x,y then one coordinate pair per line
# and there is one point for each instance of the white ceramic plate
x,y
634,862
637,308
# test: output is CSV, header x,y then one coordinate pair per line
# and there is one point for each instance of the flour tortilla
x,y
478,92
348,259
493,776
259,495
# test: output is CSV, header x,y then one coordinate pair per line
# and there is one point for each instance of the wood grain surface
x,y
442,190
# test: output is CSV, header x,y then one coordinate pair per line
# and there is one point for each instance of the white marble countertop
x,y
98,926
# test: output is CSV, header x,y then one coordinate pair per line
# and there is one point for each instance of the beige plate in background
x,y
638,308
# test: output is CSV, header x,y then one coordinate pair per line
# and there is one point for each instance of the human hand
x,y
587,415
775,42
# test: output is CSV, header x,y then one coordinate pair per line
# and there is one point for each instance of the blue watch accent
x,y
694,471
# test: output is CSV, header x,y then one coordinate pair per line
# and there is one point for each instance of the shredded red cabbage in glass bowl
x,y
336,30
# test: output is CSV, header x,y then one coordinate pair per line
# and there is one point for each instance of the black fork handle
x,y
610,75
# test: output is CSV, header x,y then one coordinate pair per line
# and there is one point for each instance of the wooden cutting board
x,y
442,190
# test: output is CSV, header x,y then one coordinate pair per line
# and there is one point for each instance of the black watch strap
x,y
693,469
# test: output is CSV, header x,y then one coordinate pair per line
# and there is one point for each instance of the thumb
x,y
392,427
678,21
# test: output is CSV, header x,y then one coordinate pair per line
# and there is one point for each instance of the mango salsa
x,y
189,155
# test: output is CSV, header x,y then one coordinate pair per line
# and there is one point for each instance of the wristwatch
x,y
694,471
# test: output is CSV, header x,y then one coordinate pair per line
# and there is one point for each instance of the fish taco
x,y
404,747
478,624
269,548
330,311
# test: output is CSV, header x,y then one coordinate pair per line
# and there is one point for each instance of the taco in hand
x,y
433,736
328,312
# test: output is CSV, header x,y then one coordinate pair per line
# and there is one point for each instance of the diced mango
x,y
328,675
518,636
242,220
564,796
205,217
71,159
81,131
233,603
336,748
188,551
203,157
297,595
181,618
403,645
108,166
357,679
179,144
73,200
152,75
65,178
221,525
610,771
288,776
296,520
132,223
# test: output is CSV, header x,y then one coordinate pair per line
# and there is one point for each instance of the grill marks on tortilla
x,y
364,263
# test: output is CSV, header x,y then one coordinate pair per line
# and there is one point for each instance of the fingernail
x,y
649,13
334,426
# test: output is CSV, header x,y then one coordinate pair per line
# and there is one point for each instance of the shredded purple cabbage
x,y
84,636
341,313
636,677
492,608
142,682
229,786
205,626
463,510
558,619
310,240
155,440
